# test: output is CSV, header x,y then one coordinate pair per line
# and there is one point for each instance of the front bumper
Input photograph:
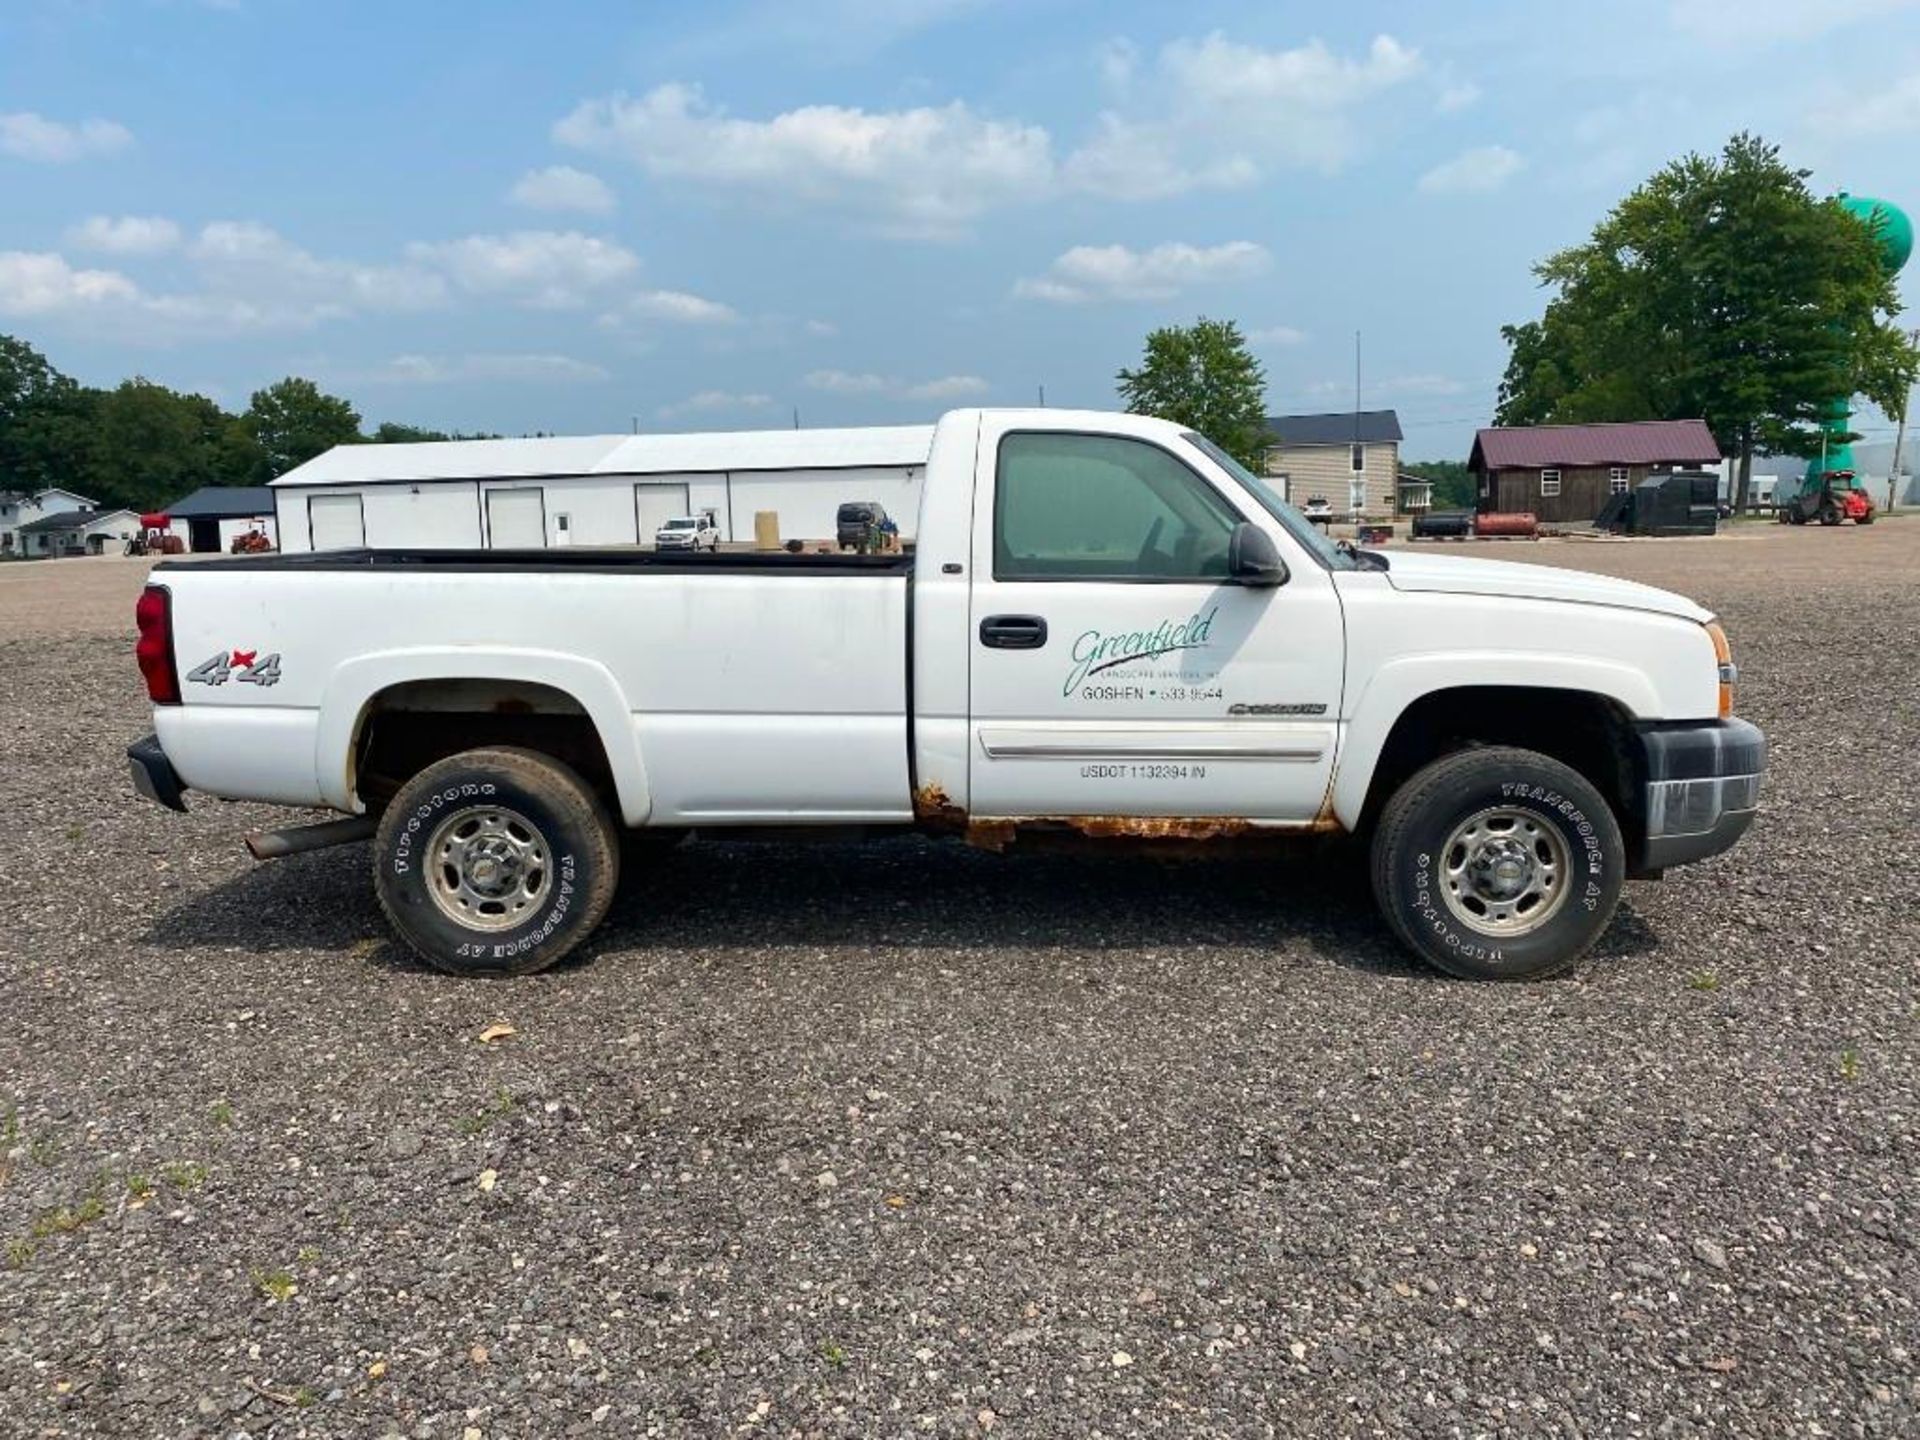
x,y
1701,789
154,775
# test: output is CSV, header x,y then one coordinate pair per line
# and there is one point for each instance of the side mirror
x,y
1253,558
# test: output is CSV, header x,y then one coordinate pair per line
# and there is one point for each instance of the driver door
x,y
1115,670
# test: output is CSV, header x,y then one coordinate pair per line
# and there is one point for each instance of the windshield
x,y
680,524
1297,525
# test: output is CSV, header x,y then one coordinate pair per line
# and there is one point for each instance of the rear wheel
x,y
495,862
1498,864
1829,514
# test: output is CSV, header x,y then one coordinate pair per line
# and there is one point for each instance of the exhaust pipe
x,y
298,839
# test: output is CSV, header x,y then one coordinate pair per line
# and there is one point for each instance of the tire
x,y
1482,804
1866,519
1829,515
537,852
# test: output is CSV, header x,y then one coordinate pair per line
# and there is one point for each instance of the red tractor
x,y
1830,499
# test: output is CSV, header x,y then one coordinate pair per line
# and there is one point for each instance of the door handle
x,y
1013,632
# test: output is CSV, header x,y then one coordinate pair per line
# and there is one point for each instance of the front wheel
x,y
495,862
1498,864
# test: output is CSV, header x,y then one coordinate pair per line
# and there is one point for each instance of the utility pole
x,y
796,417
1356,476
1043,397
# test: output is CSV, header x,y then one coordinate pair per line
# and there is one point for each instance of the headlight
x,y
1723,659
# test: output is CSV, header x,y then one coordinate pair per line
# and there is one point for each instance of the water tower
x,y
1893,233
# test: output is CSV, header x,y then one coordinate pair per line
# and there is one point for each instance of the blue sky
x,y
574,216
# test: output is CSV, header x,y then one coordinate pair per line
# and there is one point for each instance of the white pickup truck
x,y
1108,628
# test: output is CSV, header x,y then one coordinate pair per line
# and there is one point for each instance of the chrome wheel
x,y
488,867
1503,872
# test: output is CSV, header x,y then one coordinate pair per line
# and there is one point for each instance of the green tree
x,y
392,432
294,420
151,445
1721,288
45,429
1203,376
1454,487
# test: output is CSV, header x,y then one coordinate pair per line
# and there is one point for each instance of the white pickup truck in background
x,y
688,532
1108,628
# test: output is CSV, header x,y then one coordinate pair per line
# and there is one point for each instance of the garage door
x,y
336,522
654,505
516,519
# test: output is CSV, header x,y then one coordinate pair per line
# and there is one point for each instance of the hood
x,y
1461,575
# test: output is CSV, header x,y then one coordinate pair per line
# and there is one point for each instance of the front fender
x,y
1398,683
352,688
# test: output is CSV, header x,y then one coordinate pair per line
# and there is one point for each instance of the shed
x,y
596,489
214,514
1565,474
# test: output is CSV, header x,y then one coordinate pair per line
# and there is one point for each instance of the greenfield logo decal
x,y
1095,651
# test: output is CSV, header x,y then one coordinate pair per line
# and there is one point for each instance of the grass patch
x,y
42,1150
68,1218
503,1105
277,1285
1849,1065
140,1188
309,1255
833,1354
184,1174
221,1113
1703,980
19,1251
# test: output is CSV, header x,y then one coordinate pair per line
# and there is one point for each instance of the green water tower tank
x,y
1890,226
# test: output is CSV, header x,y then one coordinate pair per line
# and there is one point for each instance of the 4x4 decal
x,y
249,667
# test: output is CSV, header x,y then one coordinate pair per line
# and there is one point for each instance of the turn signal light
x,y
1723,659
153,614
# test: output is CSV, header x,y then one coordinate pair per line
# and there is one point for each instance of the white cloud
x,y
561,187
1114,272
927,171
841,382
1221,114
39,283
1860,112
544,269
707,401
1740,24
1276,335
947,387
245,260
126,234
675,306
28,136
1472,172
1119,60
440,370
1457,97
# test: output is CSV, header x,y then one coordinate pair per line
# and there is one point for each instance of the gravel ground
x,y
904,1139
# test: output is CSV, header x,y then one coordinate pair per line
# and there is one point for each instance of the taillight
x,y
153,613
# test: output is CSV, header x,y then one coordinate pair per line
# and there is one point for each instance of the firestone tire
x,y
1461,833
495,862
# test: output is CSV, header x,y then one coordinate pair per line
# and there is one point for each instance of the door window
x,y
1102,507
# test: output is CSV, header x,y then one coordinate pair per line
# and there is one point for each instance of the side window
x,y
1086,507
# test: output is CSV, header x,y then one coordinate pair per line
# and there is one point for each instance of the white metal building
x,y
595,490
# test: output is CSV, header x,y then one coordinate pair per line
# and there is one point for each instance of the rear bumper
x,y
154,775
1702,789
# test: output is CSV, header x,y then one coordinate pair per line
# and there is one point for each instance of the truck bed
x,y
572,560
728,689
